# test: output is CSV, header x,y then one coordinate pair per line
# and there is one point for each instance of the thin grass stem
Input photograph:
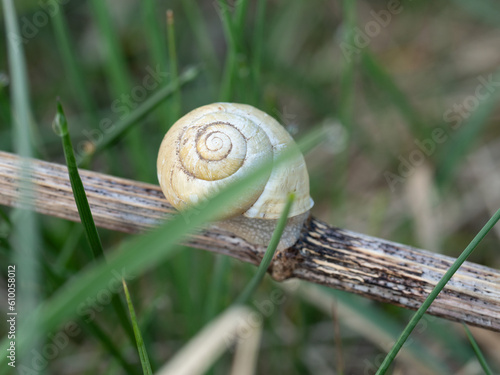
x,y
26,237
86,218
141,348
268,256
477,350
435,292
174,70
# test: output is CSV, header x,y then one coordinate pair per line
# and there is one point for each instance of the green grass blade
x,y
239,19
346,113
68,249
106,342
91,325
196,20
154,32
381,321
477,350
82,204
241,54
346,104
174,71
163,46
127,261
5,112
72,66
181,270
6,218
227,23
141,348
216,287
231,59
228,81
25,235
121,82
115,62
122,126
434,293
19,82
258,47
268,256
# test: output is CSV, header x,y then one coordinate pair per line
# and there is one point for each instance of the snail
x,y
218,143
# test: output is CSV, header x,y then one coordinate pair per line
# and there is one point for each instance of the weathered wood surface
x,y
372,267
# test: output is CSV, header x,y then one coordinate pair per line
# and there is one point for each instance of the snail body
x,y
219,143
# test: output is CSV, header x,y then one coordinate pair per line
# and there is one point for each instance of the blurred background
x,y
408,89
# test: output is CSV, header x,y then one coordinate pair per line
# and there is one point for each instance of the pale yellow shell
x,y
219,143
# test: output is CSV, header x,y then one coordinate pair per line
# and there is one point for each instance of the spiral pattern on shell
x,y
213,151
219,143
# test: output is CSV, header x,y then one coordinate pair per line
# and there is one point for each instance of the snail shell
x,y
219,143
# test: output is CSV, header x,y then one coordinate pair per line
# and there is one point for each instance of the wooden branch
x,y
341,259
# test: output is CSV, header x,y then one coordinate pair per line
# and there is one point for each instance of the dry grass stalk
x,y
372,267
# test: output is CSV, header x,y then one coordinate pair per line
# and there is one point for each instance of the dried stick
x,y
341,259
